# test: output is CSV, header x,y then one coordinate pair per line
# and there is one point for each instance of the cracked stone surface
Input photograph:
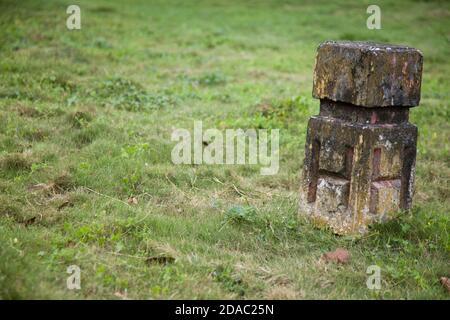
x,y
368,74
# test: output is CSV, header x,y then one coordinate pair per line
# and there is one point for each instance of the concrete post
x,y
360,150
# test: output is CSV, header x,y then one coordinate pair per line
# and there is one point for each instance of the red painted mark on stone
x,y
374,117
376,163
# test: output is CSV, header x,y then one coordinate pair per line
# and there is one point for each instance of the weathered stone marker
x,y
360,150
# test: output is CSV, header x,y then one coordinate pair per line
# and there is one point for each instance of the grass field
x,y
86,176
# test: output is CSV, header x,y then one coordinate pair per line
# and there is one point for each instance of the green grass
x,y
85,124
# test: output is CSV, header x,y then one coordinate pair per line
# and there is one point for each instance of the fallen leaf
x,y
446,283
339,255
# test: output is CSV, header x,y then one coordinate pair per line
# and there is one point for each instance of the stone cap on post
x,y
368,74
